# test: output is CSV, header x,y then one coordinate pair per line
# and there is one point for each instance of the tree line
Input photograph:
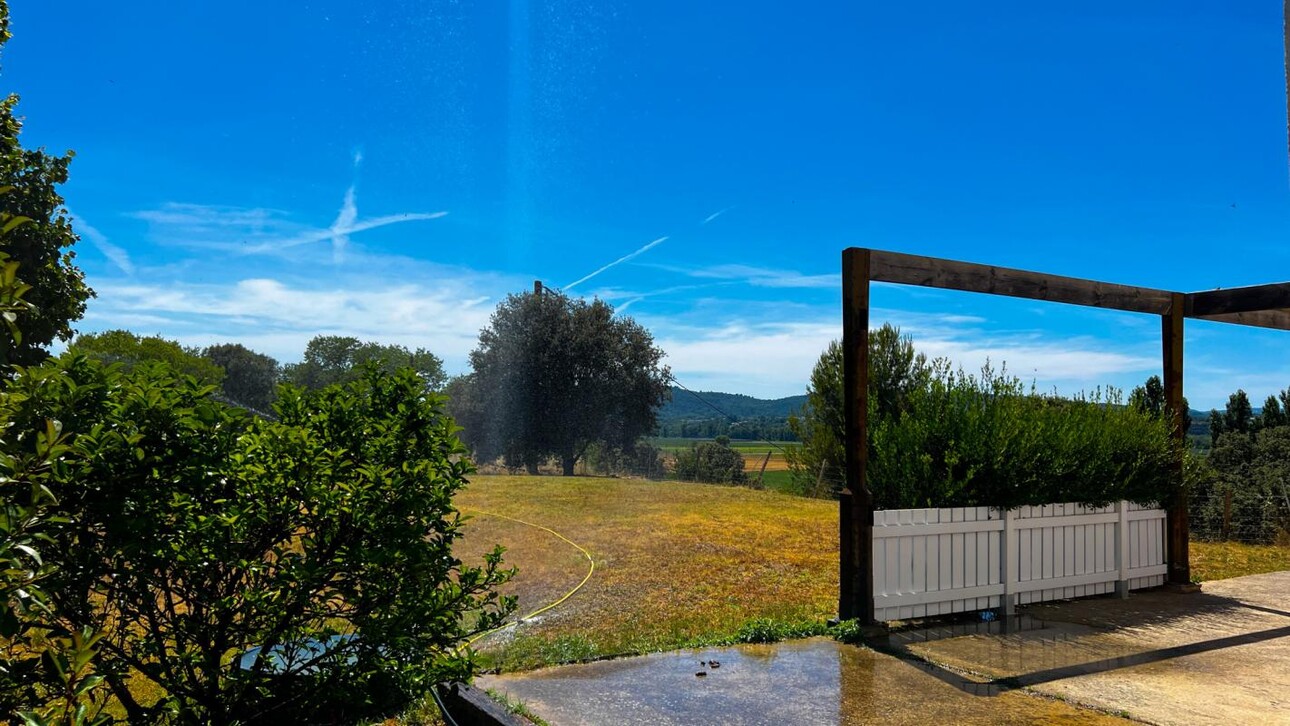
x,y
250,379
759,428
1242,488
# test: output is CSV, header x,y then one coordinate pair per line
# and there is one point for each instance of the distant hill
x,y
684,405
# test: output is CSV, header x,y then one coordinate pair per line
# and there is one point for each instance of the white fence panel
x,y
940,561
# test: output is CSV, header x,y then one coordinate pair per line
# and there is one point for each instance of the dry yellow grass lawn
x,y
1221,560
676,563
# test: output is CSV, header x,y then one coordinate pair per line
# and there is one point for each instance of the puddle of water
x,y
815,681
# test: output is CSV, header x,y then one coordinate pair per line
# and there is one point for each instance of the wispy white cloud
x,y
764,277
775,359
630,297
715,214
757,276
358,157
345,219
115,254
259,230
619,261
444,310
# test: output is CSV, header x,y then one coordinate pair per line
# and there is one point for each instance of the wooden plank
x,y
907,564
919,598
1048,554
1023,554
898,530
878,565
1275,296
933,563
983,568
1080,536
1069,551
891,569
971,277
1275,319
1075,519
920,564
946,562
855,540
1060,582
1140,514
1148,570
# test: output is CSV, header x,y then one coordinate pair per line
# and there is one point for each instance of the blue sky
x,y
391,170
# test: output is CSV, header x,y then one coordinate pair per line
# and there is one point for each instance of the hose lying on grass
x,y
590,570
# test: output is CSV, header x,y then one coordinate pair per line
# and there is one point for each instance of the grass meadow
x,y
676,564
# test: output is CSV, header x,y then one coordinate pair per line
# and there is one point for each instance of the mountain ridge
x,y
687,405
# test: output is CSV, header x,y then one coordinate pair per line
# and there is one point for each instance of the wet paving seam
x,y
943,673
1151,656
997,686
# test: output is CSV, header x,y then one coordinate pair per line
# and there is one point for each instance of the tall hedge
x,y
986,440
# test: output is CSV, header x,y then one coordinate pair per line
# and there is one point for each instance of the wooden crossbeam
x,y
953,275
1239,300
1277,319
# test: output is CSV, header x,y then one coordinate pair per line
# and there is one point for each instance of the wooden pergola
x,y
1266,306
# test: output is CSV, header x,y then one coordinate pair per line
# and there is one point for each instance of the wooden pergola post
x,y
1176,541
855,503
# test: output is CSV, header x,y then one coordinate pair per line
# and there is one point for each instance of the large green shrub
x,y
939,437
196,532
711,461
985,440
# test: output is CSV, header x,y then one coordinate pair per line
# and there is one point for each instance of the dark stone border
x,y
470,706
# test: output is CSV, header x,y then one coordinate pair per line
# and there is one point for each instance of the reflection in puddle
x,y
814,681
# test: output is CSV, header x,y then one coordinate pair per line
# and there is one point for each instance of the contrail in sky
x,y
714,215
618,261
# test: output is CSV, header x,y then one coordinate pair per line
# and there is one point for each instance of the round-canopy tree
x,y
331,359
553,375
250,378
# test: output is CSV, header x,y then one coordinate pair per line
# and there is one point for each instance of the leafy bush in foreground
x,y
195,532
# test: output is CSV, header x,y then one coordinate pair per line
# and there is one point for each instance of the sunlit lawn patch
x,y
677,564
1221,560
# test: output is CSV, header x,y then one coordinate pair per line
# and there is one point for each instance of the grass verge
x,y
1221,560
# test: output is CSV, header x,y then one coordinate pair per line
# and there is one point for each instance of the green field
x,y
673,445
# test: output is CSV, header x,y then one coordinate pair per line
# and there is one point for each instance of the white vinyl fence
x,y
940,561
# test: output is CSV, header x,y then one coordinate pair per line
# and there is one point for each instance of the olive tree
x,y
553,375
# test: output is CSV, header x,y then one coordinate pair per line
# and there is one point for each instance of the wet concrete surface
x,y
814,681
1221,656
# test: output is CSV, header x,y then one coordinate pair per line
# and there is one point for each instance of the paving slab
x,y
1221,656
813,681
